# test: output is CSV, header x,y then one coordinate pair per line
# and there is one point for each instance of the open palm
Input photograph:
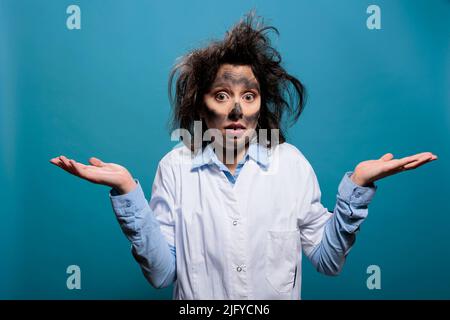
x,y
371,170
99,172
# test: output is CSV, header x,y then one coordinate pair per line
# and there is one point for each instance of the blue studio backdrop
x,y
99,88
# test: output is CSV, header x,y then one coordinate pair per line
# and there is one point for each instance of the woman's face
x,y
233,104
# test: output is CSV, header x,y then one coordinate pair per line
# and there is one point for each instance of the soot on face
x,y
236,113
229,79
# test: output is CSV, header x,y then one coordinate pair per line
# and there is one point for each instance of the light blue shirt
x,y
254,151
153,246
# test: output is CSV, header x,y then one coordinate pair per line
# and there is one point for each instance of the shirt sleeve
x,y
148,236
327,237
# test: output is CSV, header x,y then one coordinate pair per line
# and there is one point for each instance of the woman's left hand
x,y
369,171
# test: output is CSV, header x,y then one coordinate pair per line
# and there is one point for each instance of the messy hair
x,y
247,43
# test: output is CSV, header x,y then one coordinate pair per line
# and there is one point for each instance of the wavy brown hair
x,y
247,43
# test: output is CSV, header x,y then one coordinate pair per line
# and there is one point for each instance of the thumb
x,y
387,157
96,162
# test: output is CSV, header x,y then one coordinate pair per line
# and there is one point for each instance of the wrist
x,y
126,187
360,182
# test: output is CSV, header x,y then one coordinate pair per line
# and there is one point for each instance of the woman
x,y
232,209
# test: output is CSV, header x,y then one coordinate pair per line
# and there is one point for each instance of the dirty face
x,y
233,103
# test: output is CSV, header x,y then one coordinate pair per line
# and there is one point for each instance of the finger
x,y
410,159
85,172
78,168
426,156
61,163
96,162
419,155
66,164
396,164
419,162
56,162
387,157
73,167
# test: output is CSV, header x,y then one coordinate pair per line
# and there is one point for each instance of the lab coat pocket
x,y
282,249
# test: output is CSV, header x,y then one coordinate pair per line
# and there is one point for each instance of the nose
x,y
236,113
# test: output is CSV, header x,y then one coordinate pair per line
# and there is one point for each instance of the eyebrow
x,y
227,78
226,84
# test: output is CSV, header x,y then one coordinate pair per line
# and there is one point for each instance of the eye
x,y
221,96
249,97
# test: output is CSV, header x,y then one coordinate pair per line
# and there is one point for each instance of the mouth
x,y
235,129
235,126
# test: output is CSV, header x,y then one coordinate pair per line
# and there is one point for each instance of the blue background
x,y
102,91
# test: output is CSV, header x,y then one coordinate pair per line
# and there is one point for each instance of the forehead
x,y
229,74
237,70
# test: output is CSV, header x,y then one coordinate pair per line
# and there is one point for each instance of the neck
x,y
230,158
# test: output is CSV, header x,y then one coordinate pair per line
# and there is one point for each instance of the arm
x,y
138,221
149,226
340,230
328,237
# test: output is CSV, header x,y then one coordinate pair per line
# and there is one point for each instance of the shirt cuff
x,y
355,194
133,199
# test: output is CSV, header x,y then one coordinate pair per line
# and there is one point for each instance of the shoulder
x,y
180,154
296,163
290,154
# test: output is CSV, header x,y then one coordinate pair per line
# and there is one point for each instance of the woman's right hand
x,y
99,172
